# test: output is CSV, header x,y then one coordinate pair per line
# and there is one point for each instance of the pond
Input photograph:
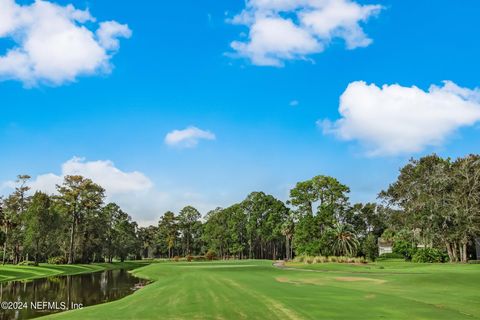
x,y
45,296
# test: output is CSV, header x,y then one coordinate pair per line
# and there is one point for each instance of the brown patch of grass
x,y
299,281
355,279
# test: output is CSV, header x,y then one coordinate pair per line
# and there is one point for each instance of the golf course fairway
x,y
257,290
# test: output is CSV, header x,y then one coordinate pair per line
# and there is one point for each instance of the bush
x,y
405,249
199,258
57,260
320,259
299,258
361,260
392,255
370,247
429,255
176,258
211,255
333,259
189,258
474,261
28,263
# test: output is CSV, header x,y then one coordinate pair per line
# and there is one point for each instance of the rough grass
x,y
257,290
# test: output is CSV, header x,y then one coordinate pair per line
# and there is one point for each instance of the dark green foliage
x,y
190,230
343,240
434,203
440,202
370,247
307,239
404,249
3,238
429,255
42,222
391,255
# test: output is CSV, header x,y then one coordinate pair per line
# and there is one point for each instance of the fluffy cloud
x,y
54,44
115,181
188,138
282,30
133,191
393,119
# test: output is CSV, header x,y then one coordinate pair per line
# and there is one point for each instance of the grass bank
x,y
257,290
14,272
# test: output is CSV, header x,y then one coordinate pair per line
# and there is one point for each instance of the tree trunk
x,y
72,236
287,248
464,252
449,251
5,245
454,251
36,254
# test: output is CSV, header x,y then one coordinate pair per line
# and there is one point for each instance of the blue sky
x,y
177,69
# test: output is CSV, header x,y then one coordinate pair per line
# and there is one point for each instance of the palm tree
x,y
287,231
344,240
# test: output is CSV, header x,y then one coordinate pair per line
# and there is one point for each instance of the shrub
x,y
176,258
333,259
57,260
299,259
392,255
474,261
199,258
211,255
405,249
189,258
320,259
428,255
370,247
28,263
361,260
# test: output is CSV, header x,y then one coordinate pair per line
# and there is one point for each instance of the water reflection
x,y
55,294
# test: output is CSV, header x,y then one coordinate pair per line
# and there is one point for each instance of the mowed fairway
x,y
257,290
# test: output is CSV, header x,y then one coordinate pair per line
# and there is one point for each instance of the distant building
x,y
384,246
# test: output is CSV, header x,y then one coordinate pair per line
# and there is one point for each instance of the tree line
x,y
432,209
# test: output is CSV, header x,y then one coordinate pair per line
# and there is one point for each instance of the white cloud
x,y
109,32
282,30
103,172
294,103
133,191
188,138
54,44
393,119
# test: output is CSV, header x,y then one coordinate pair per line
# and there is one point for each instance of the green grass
x,y
256,290
13,272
